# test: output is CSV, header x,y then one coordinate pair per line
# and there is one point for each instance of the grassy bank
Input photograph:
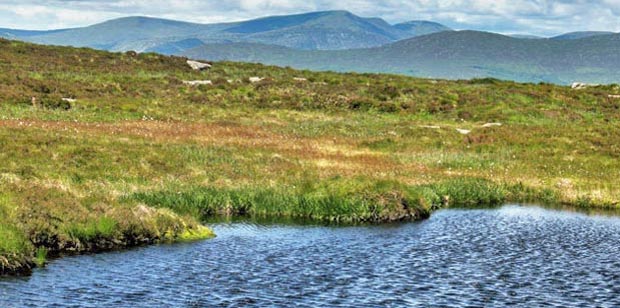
x,y
139,157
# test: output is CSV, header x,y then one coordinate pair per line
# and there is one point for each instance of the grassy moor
x,y
102,151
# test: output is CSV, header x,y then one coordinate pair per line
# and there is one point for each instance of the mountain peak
x,y
421,27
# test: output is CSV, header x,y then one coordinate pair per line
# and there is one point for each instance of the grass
x,y
140,157
333,200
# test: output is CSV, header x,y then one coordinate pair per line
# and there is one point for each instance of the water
x,y
507,257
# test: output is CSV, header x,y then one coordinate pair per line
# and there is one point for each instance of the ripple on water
x,y
511,256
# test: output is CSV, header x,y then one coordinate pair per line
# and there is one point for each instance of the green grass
x,y
103,227
40,256
333,200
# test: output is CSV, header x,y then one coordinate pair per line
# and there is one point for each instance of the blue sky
x,y
540,17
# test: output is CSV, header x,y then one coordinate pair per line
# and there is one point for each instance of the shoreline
x,y
402,209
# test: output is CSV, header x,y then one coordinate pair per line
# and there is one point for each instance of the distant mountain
x,y
342,41
419,27
12,33
114,34
329,30
527,36
580,35
318,31
452,55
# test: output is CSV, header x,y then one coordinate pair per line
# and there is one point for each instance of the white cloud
x,y
544,17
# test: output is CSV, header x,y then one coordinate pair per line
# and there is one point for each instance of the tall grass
x,y
338,201
103,227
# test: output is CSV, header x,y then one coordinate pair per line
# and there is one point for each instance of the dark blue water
x,y
507,257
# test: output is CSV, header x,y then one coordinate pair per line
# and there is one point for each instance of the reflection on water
x,y
510,256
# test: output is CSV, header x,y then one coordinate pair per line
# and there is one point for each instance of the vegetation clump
x,y
138,157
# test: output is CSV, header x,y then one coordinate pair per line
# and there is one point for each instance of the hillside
x,y
17,34
311,31
419,28
580,35
133,155
453,55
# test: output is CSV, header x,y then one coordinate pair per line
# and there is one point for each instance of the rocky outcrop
x,y
581,85
198,66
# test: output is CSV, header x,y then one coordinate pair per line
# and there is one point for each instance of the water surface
x,y
511,256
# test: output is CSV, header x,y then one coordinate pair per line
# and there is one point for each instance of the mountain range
x,y
342,41
330,30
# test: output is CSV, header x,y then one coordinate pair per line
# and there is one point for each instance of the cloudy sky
x,y
540,17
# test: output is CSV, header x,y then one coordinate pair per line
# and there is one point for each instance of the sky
x,y
537,17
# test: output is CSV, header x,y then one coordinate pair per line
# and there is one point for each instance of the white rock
x,y
256,79
491,125
431,126
581,85
613,96
69,100
198,66
300,79
197,82
463,131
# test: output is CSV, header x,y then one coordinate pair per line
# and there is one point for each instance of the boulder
x,y
197,82
256,79
198,66
581,85
491,125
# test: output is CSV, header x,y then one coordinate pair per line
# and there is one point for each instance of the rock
x,y
491,125
463,131
197,82
198,66
431,126
256,79
613,96
69,100
299,79
581,85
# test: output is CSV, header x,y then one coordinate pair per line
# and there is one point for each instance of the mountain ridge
x,y
343,41
451,55
323,30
